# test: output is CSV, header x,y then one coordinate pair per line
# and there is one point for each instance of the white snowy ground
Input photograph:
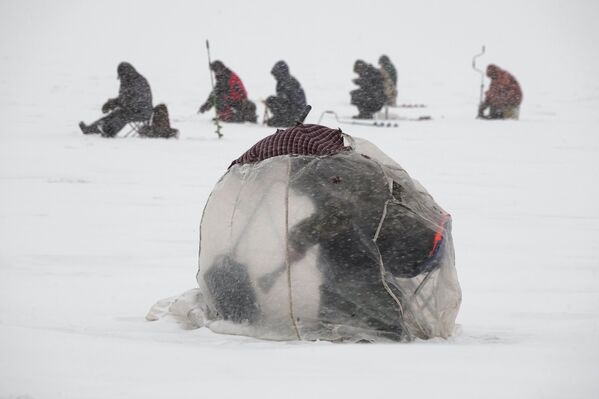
x,y
94,231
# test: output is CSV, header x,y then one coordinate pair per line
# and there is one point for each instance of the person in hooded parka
x,y
290,100
370,96
134,104
229,97
504,96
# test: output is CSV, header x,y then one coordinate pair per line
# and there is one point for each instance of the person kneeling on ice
x,y
287,106
134,104
316,235
370,97
504,96
229,97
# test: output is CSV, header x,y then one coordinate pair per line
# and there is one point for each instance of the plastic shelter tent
x,y
315,235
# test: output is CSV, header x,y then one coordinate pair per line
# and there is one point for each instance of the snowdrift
x,y
316,235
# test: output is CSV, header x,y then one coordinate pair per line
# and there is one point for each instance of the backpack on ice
x,y
159,126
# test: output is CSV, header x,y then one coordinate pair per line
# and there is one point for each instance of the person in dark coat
x,y
134,104
350,198
287,106
351,292
370,97
504,96
229,97
390,78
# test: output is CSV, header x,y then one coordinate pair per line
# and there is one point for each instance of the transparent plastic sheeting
x,y
345,247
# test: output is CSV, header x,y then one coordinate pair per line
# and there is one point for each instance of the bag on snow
x,y
159,126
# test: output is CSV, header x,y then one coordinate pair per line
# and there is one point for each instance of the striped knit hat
x,y
302,139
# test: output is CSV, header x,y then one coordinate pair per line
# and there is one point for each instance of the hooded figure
x,y
287,106
134,104
390,78
370,97
503,97
229,96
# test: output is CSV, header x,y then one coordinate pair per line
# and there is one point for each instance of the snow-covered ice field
x,y
93,231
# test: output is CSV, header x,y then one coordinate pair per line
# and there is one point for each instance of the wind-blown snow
x,y
94,231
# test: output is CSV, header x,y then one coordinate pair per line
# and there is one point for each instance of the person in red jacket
x,y
503,97
229,97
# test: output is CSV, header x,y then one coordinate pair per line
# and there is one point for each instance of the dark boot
x,y
91,129
363,115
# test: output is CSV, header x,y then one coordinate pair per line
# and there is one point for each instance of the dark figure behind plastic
x,y
351,290
229,97
370,97
134,104
290,100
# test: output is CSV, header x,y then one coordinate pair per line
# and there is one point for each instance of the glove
x,y
109,106
205,107
270,101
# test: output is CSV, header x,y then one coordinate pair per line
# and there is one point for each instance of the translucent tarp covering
x,y
345,247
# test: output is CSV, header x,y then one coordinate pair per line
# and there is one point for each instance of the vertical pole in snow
x,y
287,264
216,120
482,75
